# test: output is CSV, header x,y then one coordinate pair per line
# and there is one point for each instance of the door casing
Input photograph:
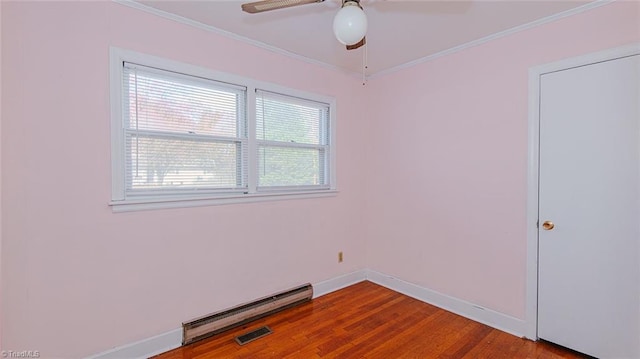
x,y
531,296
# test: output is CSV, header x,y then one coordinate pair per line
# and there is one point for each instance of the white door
x,y
589,262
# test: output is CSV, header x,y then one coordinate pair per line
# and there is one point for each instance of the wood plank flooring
x,y
369,321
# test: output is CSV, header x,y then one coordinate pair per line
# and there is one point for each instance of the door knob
x,y
548,225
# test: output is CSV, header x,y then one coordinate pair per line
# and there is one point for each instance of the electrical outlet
x,y
340,257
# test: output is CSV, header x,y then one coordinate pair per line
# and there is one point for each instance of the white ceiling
x,y
399,31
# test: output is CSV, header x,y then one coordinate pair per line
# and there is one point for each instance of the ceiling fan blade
x,y
266,5
357,44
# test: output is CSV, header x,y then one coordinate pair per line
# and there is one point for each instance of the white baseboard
x,y
474,312
343,281
173,339
144,348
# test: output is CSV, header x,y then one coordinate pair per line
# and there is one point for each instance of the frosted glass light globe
x,y
350,25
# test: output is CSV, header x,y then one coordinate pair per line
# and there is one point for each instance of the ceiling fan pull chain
x,y
364,64
363,76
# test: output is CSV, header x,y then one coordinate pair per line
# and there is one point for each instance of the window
x,y
183,136
181,133
293,144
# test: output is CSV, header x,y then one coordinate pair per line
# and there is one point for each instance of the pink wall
x,y
447,177
78,279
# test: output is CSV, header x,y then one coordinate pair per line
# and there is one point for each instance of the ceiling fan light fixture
x,y
350,23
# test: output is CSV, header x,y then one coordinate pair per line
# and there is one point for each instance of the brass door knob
x,y
548,225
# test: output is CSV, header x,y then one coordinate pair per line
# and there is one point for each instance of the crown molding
x,y
231,35
280,51
498,35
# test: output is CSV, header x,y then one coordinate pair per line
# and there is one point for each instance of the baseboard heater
x,y
212,324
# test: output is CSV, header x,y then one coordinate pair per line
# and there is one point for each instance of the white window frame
x,y
320,146
119,203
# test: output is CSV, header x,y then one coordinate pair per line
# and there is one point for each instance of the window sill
x,y
146,204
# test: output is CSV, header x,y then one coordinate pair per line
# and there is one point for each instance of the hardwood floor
x,y
369,321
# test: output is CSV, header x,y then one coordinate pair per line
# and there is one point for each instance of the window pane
x,y
168,163
176,128
287,119
172,103
292,134
283,166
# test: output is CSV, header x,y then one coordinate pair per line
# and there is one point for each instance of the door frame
x,y
531,295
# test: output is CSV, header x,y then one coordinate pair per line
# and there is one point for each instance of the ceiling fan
x,y
349,24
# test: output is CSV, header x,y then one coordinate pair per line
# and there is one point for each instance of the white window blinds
x,y
182,133
292,141
183,136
